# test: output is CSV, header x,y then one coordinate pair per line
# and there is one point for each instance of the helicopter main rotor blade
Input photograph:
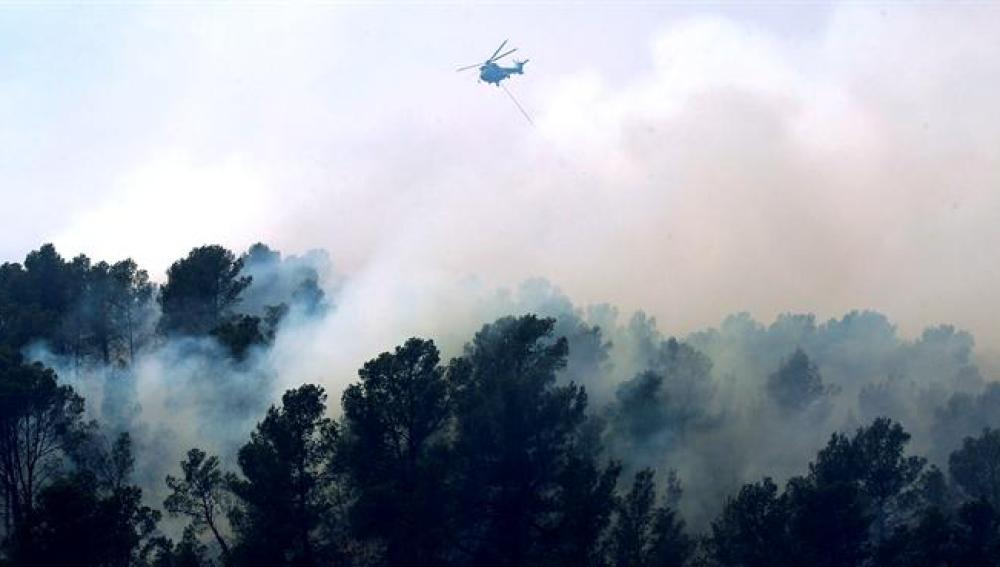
x,y
492,57
504,55
468,67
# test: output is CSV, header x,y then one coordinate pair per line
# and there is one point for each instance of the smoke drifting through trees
x,y
605,405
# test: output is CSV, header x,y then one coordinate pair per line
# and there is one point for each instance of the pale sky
x,y
689,159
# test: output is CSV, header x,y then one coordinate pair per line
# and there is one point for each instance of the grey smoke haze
x,y
700,404
691,162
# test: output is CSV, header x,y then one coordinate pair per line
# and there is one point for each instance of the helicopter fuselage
x,y
493,73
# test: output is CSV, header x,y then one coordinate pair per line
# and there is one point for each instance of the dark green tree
x,y
797,384
752,530
931,541
90,518
978,534
83,310
654,409
113,306
630,536
189,552
646,535
394,453
828,523
39,420
73,336
131,306
874,461
201,291
202,494
515,436
285,493
671,546
238,333
36,299
585,500
975,467
641,413
109,463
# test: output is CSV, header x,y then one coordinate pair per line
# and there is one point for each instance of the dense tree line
x,y
490,458
80,309
105,313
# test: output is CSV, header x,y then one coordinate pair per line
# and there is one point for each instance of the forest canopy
x,y
147,424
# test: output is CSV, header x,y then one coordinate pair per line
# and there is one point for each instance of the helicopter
x,y
490,72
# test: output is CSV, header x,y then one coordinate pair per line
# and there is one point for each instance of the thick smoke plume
x,y
718,407
840,185
691,165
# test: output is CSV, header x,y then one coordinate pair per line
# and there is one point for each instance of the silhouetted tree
x,y
98,311
978,534
586,501
36,298
838,515
285,491
752,530
132,308
238,333
930,542
631,532
202,494
90,519
873,460
670,545
653,410
976,467
189,552
642,413
828,523
645,535
39,419
201,290
491,460
106,319
395,455
515,436
797,384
